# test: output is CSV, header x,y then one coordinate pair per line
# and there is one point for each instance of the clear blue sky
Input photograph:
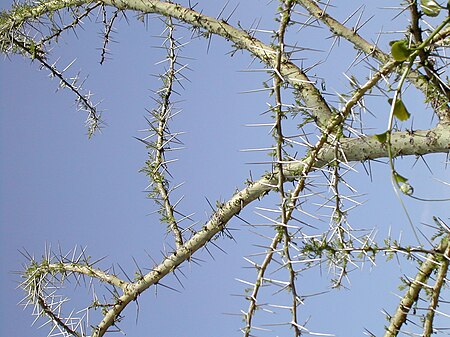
x,y
60,189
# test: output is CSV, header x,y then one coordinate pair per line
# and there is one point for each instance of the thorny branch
x,y
436,291
14,37
157,165
412,294
109,28
293,74
330,152
440,93
285,15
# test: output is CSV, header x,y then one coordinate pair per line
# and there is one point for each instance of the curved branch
x,y
62,268
290,72
45,276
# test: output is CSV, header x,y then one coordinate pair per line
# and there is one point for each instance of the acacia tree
x,y
318,137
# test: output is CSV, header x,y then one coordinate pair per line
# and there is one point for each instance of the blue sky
x,y
58,188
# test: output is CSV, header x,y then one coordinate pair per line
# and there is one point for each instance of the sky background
x,y
60,189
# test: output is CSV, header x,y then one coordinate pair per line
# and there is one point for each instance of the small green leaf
x,y
400,111
382,137
430,7
399,179
399,50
